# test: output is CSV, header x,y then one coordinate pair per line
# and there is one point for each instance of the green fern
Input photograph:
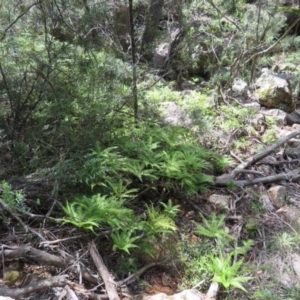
x,y
170,209
123,240
159,222
121,191
88,213
138,169
226,272
213,228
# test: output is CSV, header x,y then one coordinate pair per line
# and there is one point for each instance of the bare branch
x,y
265,51
19,17
110,284
56,281
44,258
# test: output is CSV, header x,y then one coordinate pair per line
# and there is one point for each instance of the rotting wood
x,y
44,258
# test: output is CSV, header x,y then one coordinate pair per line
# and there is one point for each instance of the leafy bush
x,y
96,211
88,213
167,157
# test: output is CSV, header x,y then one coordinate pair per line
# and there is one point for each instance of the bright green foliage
x,y
213,228
292,10
168,157
123,240
242,250
170,209
195,257
88,213
210,260
100,166
227,272
121,190
233,117
159,222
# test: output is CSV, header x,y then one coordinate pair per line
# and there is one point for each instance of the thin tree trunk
x,y
134,78
154,15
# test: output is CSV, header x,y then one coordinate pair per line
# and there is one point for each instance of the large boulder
x,y
273,91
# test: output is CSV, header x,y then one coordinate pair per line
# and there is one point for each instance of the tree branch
x,y
18,18
56,281
255,55
227,178
110,284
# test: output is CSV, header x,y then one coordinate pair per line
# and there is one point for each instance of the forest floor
x,y
38,253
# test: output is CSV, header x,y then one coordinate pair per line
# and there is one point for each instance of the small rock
x,y
296,127
220,201
173,114
267,203
258,122
277,195
277,114
240,88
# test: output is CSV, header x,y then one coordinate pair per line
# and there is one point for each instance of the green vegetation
x,y
86,144
205,261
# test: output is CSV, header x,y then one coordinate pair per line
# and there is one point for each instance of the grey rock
x,y
277,114
220,201
173,114
293,118
277,195
274,92
240,88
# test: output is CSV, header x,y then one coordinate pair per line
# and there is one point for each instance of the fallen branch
x,y
291,176
110,284
224,179
44,258
260,155
16,293
71,293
